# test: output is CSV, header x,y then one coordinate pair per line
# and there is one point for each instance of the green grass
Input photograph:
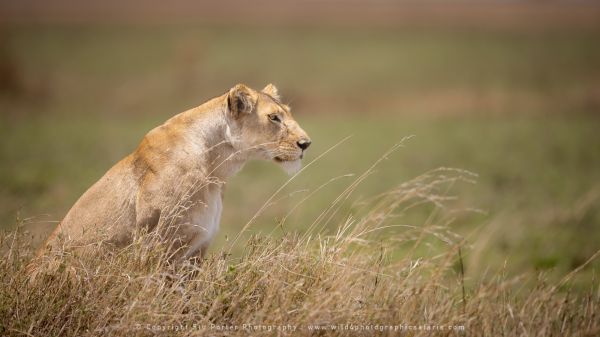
x,y
504,253
518,108
532,183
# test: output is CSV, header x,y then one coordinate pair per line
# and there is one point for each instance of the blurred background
x,y
509,90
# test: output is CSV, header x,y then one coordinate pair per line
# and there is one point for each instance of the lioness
x,y
179,169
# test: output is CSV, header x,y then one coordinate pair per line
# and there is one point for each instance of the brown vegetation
x,y
348,282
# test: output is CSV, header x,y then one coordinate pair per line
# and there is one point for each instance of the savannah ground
x,y
517,106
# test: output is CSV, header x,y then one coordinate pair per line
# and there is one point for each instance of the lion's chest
x,y
204,218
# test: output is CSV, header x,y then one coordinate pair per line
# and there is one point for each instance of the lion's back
x,y
106,209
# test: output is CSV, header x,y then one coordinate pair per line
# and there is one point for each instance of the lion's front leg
x,y
195,256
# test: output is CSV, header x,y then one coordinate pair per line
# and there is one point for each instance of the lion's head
x,y
262,127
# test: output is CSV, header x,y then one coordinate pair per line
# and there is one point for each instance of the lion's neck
x,y
213,142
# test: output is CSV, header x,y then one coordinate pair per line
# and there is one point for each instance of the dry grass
x,y
373,272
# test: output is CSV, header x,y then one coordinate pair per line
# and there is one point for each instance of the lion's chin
x,y
291,167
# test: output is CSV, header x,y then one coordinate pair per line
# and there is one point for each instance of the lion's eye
x,y
274,118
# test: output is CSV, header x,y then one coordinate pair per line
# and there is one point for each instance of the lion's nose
x,y
303,144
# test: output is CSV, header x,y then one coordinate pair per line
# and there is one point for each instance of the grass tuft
x,y
349,281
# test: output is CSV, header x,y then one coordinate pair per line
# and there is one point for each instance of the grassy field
x,y
519,109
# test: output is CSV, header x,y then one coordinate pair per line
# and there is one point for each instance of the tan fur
x,y
178,171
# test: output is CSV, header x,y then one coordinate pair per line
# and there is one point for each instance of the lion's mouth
x,y
280,159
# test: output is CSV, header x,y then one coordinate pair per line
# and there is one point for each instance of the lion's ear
x,y
272,91
241,100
